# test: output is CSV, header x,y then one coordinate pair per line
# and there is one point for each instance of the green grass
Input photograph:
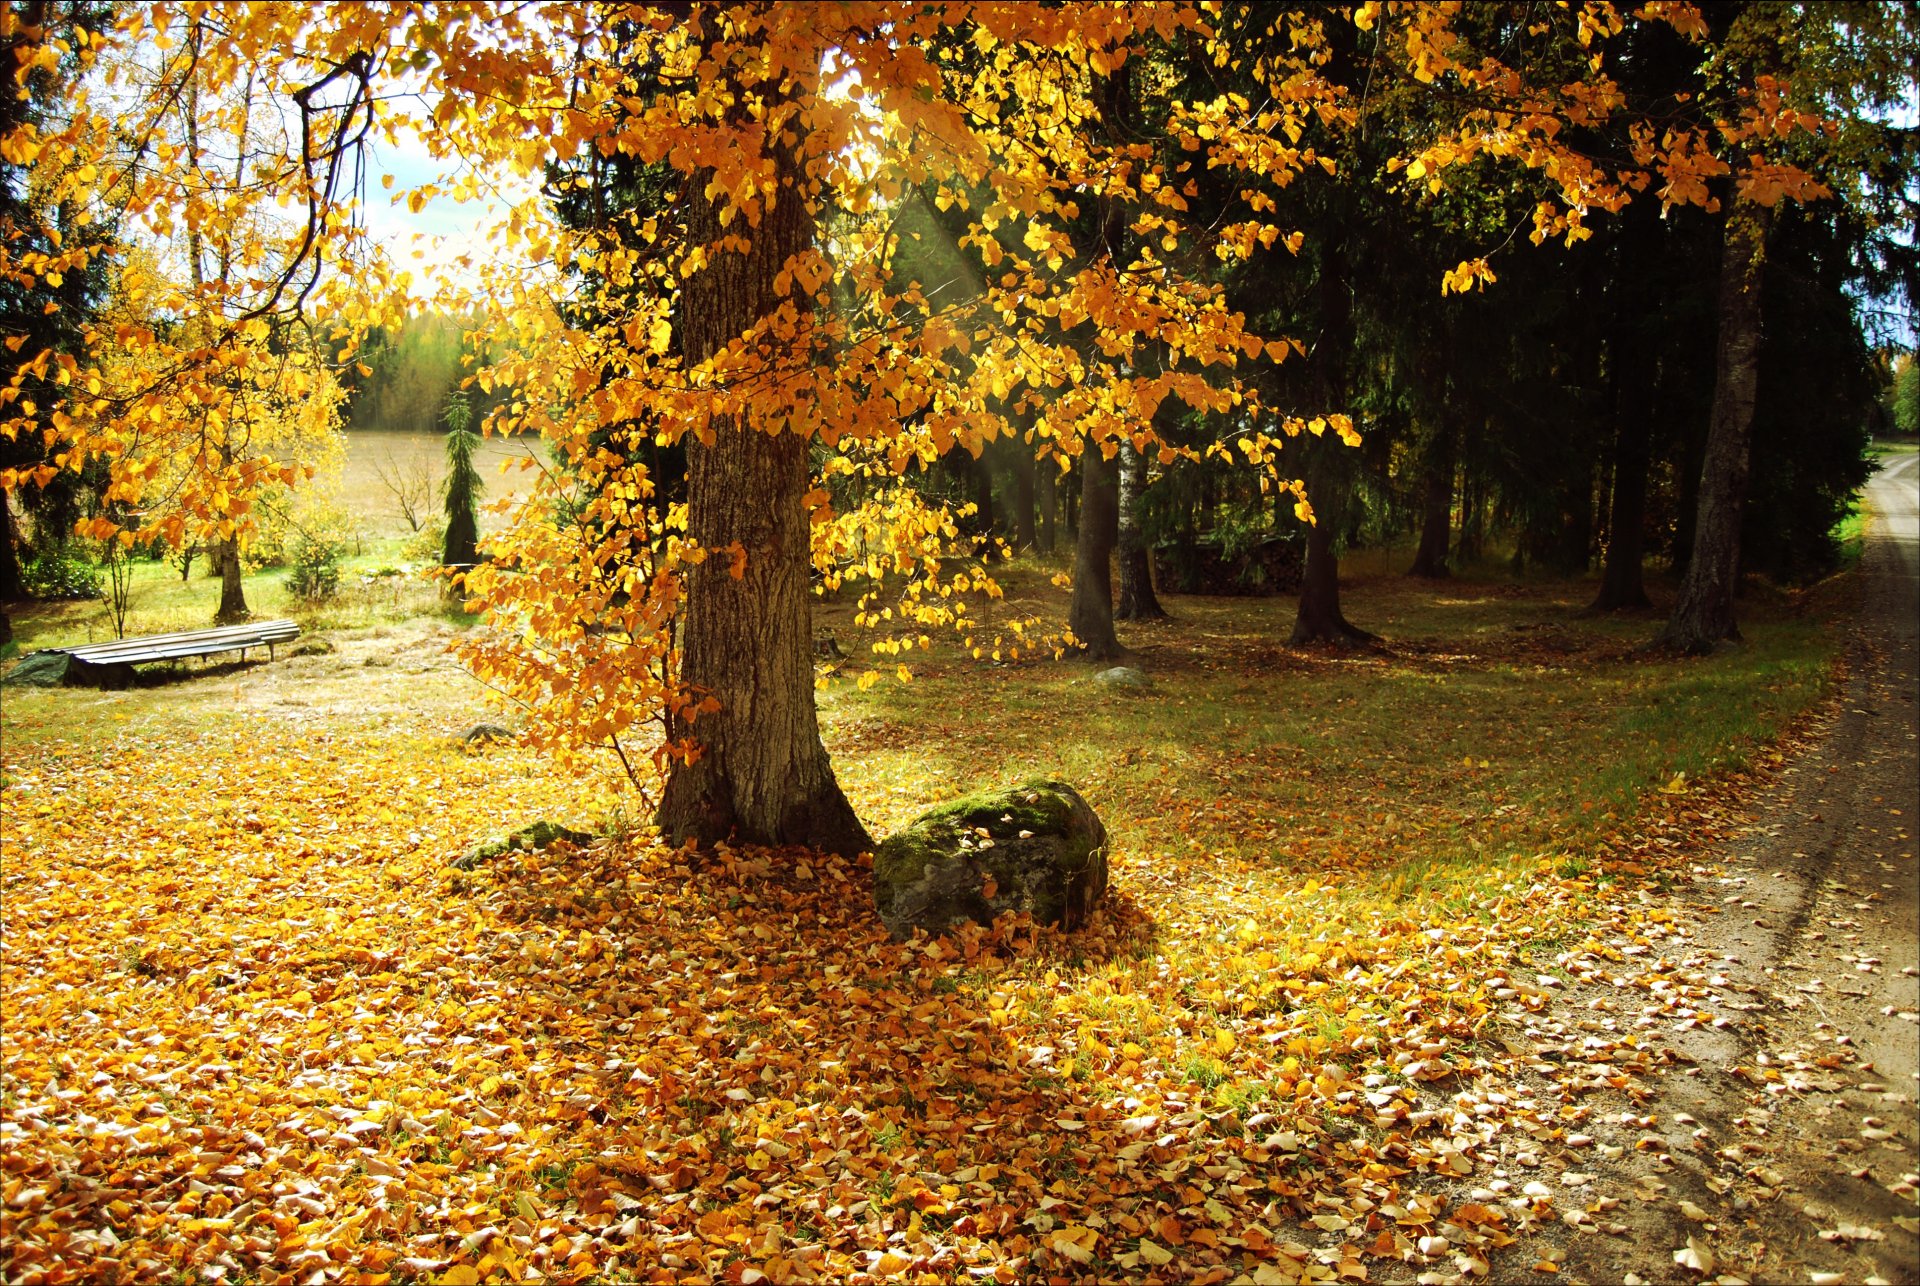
x,y
163,603
1496,724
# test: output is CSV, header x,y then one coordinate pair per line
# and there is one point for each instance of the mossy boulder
x,y
1036,847
541,834
55,669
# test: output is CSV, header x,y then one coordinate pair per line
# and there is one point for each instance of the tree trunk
x,y
1023,470
233,596
1319,618
1703,616
13,583
1473,519
983,497
1049,483
1430,559
1137,599
761,774
1090,614
1622,582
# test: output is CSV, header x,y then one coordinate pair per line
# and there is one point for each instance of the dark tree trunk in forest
x,y
6,626
1320,619
13,583
1692,458
1090,614
1049,482
762,774
1436,517
1137,599
1622,582
233,597
983,496
1023,470
1703,616
1473,519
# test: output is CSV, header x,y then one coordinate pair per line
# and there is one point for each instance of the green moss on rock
x,y
1036,847
540,834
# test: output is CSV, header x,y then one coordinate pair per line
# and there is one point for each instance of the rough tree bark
x,y
761,774
1090,614
1138,602
1703,617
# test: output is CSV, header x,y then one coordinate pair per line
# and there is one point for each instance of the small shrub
x,y
272,543
62,574
315,577
425,545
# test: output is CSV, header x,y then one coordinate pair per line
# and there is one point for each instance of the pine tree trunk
x,y
1472,545
1137,599
761,774
1090,614
233,597
1703,617
1023,470
1622,582
1319,619
1049,482
1430,559
983,496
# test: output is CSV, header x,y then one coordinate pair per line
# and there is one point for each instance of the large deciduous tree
x,y
764,307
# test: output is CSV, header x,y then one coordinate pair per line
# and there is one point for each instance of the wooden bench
x,y
172,647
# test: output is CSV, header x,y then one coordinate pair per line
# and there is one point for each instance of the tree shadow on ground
x,y
742,1025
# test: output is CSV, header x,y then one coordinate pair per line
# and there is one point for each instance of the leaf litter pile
x,y
257,1029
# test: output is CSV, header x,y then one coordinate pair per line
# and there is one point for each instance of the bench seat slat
x,y
160,647
100,652
273,628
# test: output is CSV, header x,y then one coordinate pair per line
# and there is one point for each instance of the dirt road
x,y
1780,1143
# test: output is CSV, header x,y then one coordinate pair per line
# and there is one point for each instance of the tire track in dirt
x,y
1782,1148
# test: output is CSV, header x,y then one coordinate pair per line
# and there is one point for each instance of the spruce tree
x,y
460,547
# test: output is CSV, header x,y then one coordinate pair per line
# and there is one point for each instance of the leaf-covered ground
x,y
256,1029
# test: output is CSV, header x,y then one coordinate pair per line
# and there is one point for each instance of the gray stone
x,y
1036,847
1122,676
